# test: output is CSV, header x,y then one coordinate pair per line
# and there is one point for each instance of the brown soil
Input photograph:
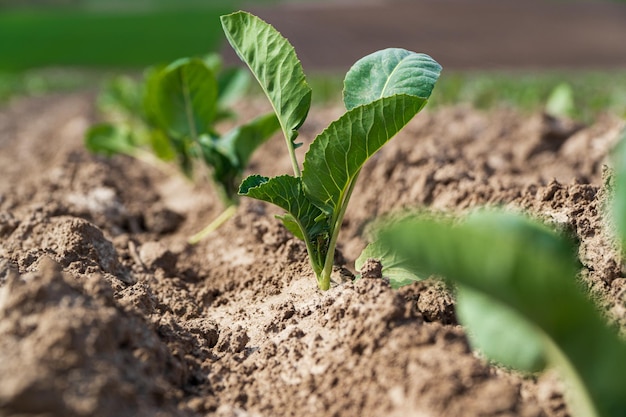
x,y
105,311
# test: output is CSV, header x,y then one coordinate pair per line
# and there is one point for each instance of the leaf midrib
x,y
382,93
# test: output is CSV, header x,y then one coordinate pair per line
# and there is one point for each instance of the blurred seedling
x,y
171,115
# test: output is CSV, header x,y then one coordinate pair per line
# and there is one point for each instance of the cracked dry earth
x,y
105,311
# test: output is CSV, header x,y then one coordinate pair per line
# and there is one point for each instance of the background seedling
x,y
173,115
382,92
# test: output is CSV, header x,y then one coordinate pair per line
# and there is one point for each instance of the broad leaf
x,y
532,271
186,98
389,72
338,153
274,63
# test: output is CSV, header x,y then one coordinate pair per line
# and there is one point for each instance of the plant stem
x,y
324,280
214,225
290,146
294,161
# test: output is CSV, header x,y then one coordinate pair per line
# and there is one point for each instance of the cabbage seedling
x,y
179,107
382,93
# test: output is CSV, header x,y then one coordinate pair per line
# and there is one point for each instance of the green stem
x,y
324,280
214,225
290,146
315,264
294,161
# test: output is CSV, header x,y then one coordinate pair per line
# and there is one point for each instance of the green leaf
x,y
286,192
274,63
109,140
303,219
225,170
389,72
338,153
619,196
242,141
229,155
396,269
532,271
186,98
500,333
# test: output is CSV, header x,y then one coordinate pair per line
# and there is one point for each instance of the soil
x,y
106,311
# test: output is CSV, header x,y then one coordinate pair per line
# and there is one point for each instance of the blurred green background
x,y
111,33
63,45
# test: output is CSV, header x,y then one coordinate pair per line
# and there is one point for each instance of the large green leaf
x,y
388,72
532,271
273,61
338,153
186,100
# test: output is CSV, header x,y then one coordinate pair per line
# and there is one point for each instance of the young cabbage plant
x,y
180,105
382,93
518,297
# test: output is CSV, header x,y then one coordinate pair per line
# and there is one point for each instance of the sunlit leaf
x,y
389,72
336,156
274,63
